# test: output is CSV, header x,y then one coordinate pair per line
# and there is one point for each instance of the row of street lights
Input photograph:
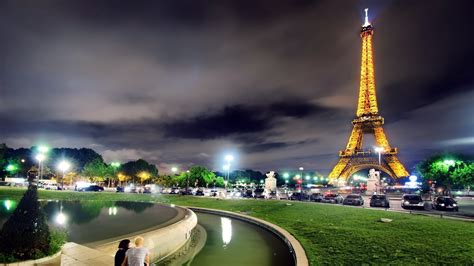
x,y
63,165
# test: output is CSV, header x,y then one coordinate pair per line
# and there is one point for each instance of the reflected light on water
x,y
8,204
113,210
226,225
61,218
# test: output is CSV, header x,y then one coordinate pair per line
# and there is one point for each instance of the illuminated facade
x,y
367,121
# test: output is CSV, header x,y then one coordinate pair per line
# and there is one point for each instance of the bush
x,y
25,235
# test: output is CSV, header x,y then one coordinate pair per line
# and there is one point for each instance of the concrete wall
x,y
161,242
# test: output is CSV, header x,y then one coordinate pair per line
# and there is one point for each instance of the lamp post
x,y
226,168
228,159
301,183
40,158
115,166
379,150
63,166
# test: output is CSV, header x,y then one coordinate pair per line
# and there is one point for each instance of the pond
x,y
91,221
234,242
226,241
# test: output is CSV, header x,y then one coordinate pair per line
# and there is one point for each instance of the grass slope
x,y
333,234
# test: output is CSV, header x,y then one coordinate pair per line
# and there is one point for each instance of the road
x,y
466,207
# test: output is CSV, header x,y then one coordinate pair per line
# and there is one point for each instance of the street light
x,y
228,159
43,149
63,166
379,150
40,158
286,175
174,169
301,183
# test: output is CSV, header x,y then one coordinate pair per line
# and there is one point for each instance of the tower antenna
x,y
366,22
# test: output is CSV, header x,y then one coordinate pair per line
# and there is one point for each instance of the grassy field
x,y
332,234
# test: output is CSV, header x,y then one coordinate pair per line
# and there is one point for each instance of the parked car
x,y
120,189
259,193
379,201
445,203
200,192
174,190
185,191
317,197
298,196
248,193
412,201
332,198
353,199
92,188
51,186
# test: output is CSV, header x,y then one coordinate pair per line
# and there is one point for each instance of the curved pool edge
x,y
161,242
297,250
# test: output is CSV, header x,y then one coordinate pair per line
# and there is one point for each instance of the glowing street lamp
x,y
174,169
449,162
228,159
286,175
379,150
43,149
115,164
64,166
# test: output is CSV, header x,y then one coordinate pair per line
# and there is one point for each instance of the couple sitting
x,y
136,256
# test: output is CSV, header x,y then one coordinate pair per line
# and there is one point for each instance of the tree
x,y
448,170
96,170
200,176
136,170
25,235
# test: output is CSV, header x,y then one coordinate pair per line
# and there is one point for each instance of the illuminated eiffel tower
x,y
367,121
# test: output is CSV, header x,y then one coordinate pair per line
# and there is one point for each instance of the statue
x,y
373,182
270,182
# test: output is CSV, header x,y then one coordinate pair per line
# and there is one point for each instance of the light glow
x,y
40,157
226,226
366,20
61,218
64,166
229,158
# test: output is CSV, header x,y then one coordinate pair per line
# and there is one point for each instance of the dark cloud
x,y
173,81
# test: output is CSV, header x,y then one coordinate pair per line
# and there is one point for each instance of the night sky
x,y
184,82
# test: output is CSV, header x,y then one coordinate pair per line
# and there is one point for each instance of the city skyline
x,y
276,85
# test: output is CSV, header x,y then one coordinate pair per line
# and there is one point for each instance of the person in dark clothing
x,y
122,248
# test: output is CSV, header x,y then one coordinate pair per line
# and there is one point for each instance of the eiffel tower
x,y
367,121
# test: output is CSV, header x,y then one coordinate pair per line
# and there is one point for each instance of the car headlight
x,y
454,205
406,202
442,204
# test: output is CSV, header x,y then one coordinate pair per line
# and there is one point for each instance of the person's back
x,y
136,256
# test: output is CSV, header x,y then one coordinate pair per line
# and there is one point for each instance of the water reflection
x,y
113,210
88,221
133,206
226,225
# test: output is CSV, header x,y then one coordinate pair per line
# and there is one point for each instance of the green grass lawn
x,y
332,234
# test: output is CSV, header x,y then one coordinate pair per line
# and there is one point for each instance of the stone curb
x,y
296,249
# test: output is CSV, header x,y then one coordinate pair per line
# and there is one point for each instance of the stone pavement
x,y
75,254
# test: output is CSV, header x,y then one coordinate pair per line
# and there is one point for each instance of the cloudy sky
x,y
185,81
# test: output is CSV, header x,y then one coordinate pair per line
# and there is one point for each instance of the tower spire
x,y
367,104
366,22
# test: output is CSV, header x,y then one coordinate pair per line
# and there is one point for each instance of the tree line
x,y
88,165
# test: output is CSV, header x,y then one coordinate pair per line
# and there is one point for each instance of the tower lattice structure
x,y
368,121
